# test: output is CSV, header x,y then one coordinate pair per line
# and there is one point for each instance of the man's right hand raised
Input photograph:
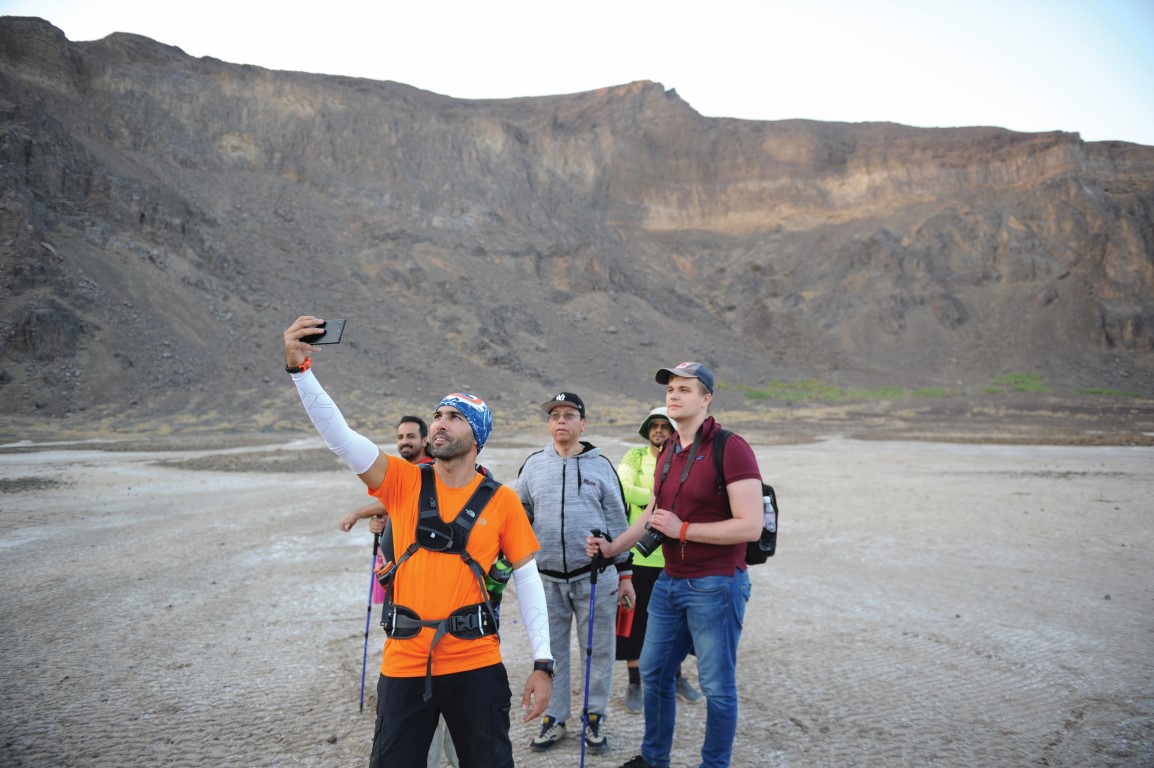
x,y
295,350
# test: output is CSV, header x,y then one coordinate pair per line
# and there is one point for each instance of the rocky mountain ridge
x,y
165,217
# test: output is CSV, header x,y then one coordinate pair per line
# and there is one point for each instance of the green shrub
x,y
1020,382
1106,392
808,389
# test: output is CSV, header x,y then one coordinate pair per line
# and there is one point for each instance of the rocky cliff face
x,y
165,217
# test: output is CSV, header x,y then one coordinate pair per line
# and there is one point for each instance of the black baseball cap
x,y
565,398
689,371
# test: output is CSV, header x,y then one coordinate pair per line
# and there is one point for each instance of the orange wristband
x,y
308,363
684,529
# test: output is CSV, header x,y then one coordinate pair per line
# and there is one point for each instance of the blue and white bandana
x,y
474,409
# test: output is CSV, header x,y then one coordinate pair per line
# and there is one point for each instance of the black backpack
x,y
756,552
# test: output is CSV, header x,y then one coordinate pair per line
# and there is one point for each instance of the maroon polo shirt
x,y
701,501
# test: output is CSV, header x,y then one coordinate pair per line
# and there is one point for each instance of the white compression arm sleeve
x,y
355,450
534,614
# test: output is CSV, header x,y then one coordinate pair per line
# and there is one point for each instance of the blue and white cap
x,y
474,409
689,371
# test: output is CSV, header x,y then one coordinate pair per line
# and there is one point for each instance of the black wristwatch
x,y
544,666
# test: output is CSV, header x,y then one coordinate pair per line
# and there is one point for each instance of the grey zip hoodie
x,y
566,498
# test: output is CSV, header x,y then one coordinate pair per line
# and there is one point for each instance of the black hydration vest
x,y
434,534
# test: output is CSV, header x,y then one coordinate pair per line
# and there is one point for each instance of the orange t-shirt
x,y
435,584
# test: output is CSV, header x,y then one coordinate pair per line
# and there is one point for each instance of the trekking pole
x,y
369,616
595,567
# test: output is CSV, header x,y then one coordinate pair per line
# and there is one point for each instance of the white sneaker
x,y
551,733
595,741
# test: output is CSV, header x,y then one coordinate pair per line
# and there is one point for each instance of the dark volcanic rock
x,y
165,217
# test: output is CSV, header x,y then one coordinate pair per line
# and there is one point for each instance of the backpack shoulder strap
x,y
469,513
427,505
387,540
476,505
465,519
719,441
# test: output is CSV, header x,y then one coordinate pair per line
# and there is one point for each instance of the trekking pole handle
x,y
597,533
598,563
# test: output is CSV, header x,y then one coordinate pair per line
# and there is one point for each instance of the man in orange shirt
x,y
443,656
412,442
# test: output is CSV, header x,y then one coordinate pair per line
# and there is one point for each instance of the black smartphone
x,y
334,329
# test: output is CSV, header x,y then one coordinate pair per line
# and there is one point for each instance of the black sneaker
x,y
637,762
595,741
551,733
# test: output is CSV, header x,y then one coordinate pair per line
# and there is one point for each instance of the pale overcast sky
x,y
1026,65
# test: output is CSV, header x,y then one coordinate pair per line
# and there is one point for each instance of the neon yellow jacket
x,y
636,472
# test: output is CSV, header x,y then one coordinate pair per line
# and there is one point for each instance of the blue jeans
x,y
705,614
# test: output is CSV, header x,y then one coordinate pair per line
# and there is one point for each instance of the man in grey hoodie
x,y
569,489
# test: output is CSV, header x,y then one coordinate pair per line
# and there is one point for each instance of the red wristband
x,y
684,529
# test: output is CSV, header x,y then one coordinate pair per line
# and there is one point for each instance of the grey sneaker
x,y
551,733
633,700
595,741
686,692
